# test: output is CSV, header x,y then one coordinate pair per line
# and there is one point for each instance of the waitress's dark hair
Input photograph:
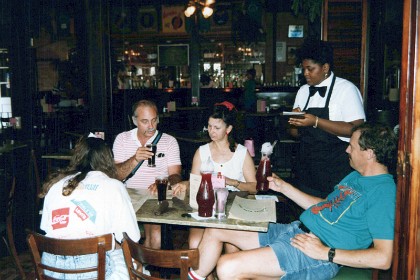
x,y
227,112
252,72
90,154
321,52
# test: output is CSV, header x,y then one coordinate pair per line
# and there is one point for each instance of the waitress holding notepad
x,y
332,106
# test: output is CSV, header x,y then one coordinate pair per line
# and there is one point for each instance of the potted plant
x,y
312,8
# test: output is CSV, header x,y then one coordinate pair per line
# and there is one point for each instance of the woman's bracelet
x,y
316,123
238,183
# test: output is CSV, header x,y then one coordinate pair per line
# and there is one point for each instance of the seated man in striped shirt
x,y
130,148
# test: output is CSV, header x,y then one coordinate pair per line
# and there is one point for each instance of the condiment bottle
x,y
264,168
205,194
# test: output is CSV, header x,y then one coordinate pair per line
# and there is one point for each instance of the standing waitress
x,y
332,106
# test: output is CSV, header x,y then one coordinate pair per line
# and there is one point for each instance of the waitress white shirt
x,y
232,168
346,102
99,205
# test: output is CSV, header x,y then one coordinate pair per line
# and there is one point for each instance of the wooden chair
x,y
69,247
6,229
182,259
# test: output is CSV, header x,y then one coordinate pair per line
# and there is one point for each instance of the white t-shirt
x,y
346,103
99,205
167,154
232,168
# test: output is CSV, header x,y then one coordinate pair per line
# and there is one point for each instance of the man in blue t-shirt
x,y
353,226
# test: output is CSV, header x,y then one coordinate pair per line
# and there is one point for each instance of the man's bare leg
x,y
194,237
258,263
211,246
153,236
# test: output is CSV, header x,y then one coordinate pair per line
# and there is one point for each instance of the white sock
x,y
194,276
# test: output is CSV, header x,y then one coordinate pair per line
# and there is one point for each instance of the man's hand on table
x,y
153,189
177,188
180,187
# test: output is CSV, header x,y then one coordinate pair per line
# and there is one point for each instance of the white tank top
x,y
232,168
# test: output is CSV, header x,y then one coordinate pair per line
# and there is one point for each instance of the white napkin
x,y
199,218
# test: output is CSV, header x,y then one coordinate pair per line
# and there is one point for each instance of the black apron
x,y
323,160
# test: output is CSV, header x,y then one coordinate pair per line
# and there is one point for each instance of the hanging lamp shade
x,y
189,11
207,12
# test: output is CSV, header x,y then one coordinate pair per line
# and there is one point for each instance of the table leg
x,y
166,237
166,244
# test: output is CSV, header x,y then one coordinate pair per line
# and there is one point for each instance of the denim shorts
x,y
292,261
115,267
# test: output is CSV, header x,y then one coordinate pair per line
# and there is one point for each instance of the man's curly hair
x,y
382,140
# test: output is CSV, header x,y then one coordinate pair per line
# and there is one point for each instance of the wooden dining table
x,y
175,215
146,204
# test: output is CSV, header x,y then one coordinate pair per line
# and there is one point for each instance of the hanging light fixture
x,y
193,5
189,11
207,12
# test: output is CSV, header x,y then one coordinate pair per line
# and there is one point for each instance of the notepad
x,y
297,115
195,181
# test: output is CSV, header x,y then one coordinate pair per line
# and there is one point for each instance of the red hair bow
x,y
227,104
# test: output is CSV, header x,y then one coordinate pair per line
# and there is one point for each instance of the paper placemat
x,y
263,210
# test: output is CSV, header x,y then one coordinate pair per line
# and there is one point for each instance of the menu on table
x,y
253,210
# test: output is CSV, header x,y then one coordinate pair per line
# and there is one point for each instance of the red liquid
x,y
263,171
151,161
162,185
205,196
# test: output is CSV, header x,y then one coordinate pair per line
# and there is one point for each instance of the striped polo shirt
x,y
167,154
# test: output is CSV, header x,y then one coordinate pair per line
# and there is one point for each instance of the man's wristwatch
x,y
331,254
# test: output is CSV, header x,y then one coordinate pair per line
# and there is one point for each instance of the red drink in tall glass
x,y
263,171
205,196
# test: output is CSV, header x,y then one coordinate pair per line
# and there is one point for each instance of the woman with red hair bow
x,y
229,158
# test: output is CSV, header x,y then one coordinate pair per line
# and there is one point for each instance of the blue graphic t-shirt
x,y
360,209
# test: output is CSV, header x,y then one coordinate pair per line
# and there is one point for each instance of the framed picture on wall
x,y
173,55
280,51
295,31
291,55
120,20
147,19
173,19
222,17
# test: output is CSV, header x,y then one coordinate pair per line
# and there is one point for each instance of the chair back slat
x,y
182,259
69,247
68,271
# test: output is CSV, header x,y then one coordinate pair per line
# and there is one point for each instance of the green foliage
x,y
311,8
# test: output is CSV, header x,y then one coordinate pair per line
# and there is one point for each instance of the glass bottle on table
x,y
264,168
205,194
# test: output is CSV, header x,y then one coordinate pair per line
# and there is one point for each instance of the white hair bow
x,y
93,135
99,135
